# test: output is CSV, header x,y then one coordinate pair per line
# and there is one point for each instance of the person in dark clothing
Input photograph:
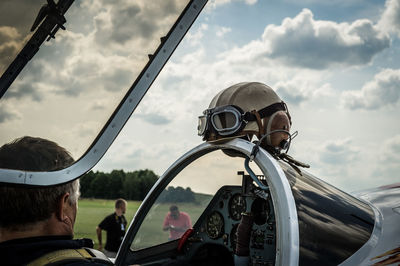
x,y
115,225
36,223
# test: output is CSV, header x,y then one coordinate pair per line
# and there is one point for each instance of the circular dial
x,y
215,225
237,205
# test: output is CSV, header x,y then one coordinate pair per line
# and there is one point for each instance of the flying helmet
x,y
239,110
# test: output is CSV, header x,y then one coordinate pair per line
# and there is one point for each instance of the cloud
x,y
16,19
212,4
195,38
222,31
390,152
303,41
387,167
9,45
19,14
153,118
98,105
24,89
290,93
6,114
147,21
297,90
390,20
338,152
382,91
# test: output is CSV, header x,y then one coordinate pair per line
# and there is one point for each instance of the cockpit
x,y
290,213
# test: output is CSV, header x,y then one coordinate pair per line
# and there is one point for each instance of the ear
x,y
62,206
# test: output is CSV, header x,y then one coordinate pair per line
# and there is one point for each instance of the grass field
x,y
92,211
151,233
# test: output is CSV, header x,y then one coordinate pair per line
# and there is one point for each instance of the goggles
x,y
229,120
224,120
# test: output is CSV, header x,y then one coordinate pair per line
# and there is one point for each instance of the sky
x,y
335,64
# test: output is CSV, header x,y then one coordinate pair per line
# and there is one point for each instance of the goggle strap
x,y
269,110
259,123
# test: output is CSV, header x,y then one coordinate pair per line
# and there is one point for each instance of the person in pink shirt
x,y
176,222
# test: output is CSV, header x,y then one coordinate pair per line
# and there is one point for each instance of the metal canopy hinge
x,y
49,20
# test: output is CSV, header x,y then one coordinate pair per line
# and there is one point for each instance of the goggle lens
x,y
224,121
202,125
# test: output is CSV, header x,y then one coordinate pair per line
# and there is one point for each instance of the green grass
x,y
92,211
151,233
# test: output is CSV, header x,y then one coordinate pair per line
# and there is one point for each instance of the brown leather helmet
x,y
257,105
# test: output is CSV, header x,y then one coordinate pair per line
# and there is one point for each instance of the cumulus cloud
x,y
298,90
155,119
135,23
338,152
98,57
311,43
222,31
216,3
98,105
7,114
383,90
16,19
387,168
390,151
19,14
303,41
195,37
10,45
390,20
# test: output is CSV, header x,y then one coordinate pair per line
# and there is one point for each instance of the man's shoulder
x,y
40,247
73,257
108,218
185,214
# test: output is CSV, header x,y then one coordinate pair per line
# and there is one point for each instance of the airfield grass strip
x,y
92,211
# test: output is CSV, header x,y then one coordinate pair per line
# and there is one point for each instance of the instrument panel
x,y
220,220
215,225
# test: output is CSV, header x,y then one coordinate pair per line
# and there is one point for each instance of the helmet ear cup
x,y
274,123
269,125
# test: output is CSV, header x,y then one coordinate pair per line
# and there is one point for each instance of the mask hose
x,y
252,174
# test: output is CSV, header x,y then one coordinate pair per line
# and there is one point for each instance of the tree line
x,y
177,194
130,186
117,184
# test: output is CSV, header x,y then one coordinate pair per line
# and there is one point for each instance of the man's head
x,y
120,206
174,211
245,110
21,207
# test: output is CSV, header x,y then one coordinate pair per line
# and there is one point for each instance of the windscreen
x,y
189,193
332,224
68,91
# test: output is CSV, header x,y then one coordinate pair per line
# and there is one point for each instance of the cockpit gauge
x,y
237,205
215,225
260,209
233,236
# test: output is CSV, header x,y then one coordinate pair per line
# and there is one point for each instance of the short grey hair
x,y
21,205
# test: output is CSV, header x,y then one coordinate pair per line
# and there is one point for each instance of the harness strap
x,y
60,257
